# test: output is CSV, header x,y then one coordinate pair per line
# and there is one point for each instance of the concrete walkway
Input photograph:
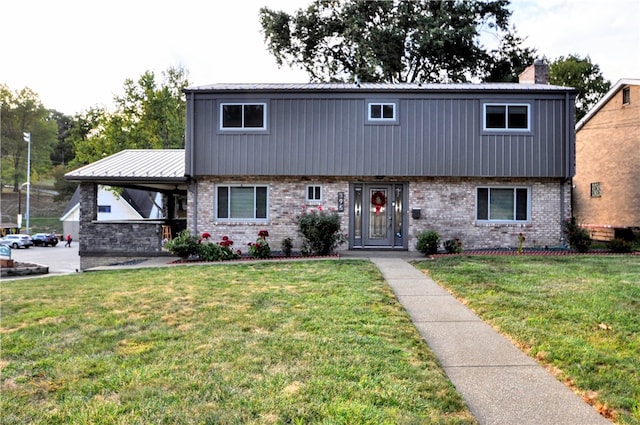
x,y
500,384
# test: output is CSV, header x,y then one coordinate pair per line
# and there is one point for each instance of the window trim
x,y
626,95
238,219
309,186
506,129
265,115
515,205
381,102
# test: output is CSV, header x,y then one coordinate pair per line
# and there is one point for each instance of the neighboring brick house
x,y
606,194
479,162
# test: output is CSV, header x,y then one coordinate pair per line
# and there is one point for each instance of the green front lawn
x,y
578,315
264,343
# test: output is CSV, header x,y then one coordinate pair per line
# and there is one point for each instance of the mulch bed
x,y
247,258
534,252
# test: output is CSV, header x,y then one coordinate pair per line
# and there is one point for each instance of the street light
x,y
27,138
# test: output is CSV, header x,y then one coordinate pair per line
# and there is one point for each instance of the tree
x,y
22,113
148,116
584,76
508,60
389,41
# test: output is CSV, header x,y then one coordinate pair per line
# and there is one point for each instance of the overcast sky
x,y
77,54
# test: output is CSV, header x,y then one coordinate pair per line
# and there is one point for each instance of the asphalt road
x,y
59,259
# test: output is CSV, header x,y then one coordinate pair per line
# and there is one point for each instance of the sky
x,y
77,54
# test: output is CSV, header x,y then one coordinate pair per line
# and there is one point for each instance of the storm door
x,y
378,215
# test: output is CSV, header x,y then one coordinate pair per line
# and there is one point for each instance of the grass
x,y
265,343
580,316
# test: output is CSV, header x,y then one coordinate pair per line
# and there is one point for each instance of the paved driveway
x,y
59,259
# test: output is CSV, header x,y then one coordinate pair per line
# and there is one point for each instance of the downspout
x,y
191,145
569,163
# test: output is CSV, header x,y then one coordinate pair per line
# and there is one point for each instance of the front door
x,y
378,215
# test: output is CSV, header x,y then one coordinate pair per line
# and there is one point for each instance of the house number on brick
x,y
341,201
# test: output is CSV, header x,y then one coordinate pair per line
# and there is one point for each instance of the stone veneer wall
x,y
103,243
447,206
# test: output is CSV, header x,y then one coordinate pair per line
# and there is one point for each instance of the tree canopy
x,y
396,41
22,112
149,115
584,76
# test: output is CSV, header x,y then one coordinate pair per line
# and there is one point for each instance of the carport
x,y
103,242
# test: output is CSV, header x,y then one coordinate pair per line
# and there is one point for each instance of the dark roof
x,y
372,87
75,200
140,200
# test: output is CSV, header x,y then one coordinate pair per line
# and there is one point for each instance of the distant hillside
x,y
41,204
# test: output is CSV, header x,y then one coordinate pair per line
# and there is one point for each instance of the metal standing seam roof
x,y
138,164
372,87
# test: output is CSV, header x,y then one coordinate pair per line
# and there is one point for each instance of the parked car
x,y
44,239
17,241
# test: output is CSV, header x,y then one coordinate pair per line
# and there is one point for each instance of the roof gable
x,y
606,98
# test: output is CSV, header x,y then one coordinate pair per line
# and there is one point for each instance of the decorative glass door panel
x,y
379,224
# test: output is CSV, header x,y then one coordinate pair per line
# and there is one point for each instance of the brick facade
x,y
447,205
608,155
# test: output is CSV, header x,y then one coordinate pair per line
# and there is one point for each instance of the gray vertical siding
x,y
317,134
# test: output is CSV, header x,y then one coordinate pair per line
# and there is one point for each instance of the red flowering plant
x,y
260,248
217,251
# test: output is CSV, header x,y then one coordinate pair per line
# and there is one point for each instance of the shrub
x,y
220,251
453,246
184,245
577,237
261,248
428,242
620,245
287,245
320,231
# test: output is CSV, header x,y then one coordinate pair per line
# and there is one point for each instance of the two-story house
x,y
607,182
478,162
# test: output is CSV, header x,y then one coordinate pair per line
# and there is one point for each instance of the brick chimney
x,y
538,73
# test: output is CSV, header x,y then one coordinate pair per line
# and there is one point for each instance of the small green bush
x,y
428,242
320,231
577,237
287,246
453,246
184,245
620,245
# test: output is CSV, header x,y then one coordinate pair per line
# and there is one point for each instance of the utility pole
x,y
27,138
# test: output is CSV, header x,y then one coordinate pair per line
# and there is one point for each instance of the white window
x,y
382,112
512,117
241,202
503,204
314,193
243,116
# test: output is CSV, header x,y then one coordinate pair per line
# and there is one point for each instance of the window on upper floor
x,y
243,116
503,204
626,96
506,117
382,112
104,208
241,202
314,193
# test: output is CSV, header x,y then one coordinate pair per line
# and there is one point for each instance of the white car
x,y
17,241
